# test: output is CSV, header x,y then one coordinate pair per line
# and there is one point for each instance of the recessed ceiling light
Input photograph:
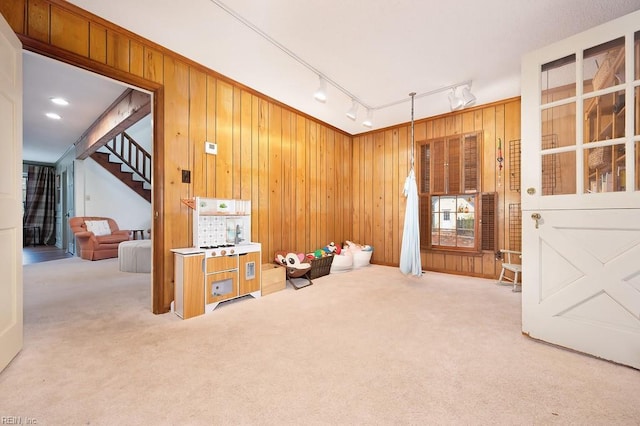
x,y
53,116
60,101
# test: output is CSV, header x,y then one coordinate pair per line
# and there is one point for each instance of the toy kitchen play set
x,y
223,263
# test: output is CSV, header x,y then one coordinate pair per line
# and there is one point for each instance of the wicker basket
x,y
599,157
321,266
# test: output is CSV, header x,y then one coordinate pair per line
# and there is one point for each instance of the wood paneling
x,y
69,31
117,50
15,15
38,18
98,42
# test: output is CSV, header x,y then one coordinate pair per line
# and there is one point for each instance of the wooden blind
x,y
471,161
424,221
438,167
425,169
489,218
455,170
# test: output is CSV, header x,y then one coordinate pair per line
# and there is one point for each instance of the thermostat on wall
x,y
211,148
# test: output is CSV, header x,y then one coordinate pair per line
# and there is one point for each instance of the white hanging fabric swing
x,y
410,262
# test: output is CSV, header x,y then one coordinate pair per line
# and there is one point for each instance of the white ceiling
x,y
377,50
89,95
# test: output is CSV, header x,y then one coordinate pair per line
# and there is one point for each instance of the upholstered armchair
x,y
97,237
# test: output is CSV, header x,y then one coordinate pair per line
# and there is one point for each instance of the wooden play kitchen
x,y
223,263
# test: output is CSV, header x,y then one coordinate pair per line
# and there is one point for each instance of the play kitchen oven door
x,y
221,280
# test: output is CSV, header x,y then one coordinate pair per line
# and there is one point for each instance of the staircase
x,y
124,158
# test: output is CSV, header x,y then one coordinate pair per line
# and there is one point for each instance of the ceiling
x,y
376,51
89,95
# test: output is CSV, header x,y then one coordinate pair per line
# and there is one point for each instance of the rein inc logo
x,y
18,420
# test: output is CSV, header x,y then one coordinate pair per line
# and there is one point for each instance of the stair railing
x,y
132,154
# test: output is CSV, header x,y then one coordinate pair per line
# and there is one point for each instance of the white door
x,y
581,192
10,194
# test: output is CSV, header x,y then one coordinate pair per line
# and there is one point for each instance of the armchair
x,y
101,246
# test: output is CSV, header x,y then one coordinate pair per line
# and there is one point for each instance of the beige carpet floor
x,y
367,347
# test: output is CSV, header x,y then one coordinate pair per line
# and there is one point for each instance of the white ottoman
x,y
135,256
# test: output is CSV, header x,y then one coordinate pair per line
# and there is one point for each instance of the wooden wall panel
x,y
197,130
153,65
246,146
136,58
38,19
276,200
301,187
14,14
177,232
377,234
117,51
236,183
286,191
207,186
69,31
97,43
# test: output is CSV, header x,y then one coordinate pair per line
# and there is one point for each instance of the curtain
x,y
410,251
40,209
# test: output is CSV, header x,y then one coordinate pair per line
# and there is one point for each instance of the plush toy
x,y
332,248
293,260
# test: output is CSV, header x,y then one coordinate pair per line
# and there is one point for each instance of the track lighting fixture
x,y
454,101
465,99
468,97
321,93
352,113
368,122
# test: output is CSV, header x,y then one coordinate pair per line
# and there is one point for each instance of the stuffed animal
x,y
292,260
332,248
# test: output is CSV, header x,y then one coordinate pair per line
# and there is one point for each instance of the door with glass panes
x,y
581,192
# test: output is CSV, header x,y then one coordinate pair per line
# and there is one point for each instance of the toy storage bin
x,y
320,266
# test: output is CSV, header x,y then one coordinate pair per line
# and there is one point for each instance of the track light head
x,y
321,93
467,96
352,113
454,101
368,122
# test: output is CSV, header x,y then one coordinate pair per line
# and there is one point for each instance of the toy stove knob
x,y
223,252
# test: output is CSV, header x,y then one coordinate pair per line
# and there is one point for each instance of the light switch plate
x,y
211,148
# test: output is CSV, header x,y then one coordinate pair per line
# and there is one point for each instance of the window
x,y
453,221
449,190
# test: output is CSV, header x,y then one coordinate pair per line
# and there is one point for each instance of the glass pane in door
x,y
603,66
605,169
604,117
558,79
560,121
559,173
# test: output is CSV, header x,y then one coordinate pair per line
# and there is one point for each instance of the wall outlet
x,y
211,148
